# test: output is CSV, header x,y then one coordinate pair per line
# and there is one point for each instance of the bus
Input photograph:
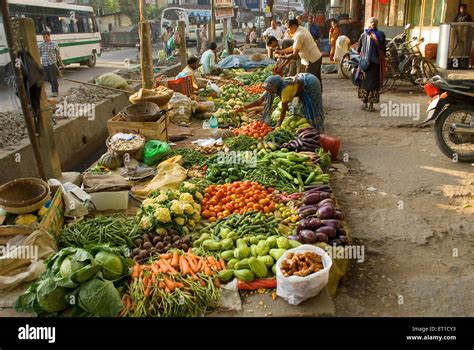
x,y
192,16
73,27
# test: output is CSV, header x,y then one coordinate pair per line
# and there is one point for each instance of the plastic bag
x,y
112,80
155,151
169,175
295,289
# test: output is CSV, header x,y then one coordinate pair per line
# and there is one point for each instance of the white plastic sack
x,y
296,289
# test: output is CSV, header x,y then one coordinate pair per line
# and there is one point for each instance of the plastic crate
x,y
182,85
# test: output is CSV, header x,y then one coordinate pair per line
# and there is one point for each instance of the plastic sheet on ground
x,y
243,61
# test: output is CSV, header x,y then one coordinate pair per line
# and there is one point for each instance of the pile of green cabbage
x,y
81,282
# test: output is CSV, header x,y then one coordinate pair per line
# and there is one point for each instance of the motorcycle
x,y
452,109
349,62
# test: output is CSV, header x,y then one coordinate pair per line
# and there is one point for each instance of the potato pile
x,y
301,264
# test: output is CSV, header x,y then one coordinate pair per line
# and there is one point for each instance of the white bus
x,y
192,16
73,27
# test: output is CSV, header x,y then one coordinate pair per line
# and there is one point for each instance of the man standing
x,y
462,15
274,31
50,58
304,47
315,32
247,33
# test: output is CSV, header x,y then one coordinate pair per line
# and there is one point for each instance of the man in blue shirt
x,y
314,30
50,58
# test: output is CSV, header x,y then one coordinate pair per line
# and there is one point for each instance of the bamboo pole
x,y
14,55
182,44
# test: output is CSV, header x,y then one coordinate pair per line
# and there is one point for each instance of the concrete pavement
x,y
108,62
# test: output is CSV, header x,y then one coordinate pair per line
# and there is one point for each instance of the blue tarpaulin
x,y
243,61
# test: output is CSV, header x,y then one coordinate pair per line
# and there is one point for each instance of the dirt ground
x,y
407,204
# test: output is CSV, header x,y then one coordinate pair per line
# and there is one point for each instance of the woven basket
x,y
129,151
23,192
29,208
141,112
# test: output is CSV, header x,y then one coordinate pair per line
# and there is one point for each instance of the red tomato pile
x,y
257,130
235,198
255,89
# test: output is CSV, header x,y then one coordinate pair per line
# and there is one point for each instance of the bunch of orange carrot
x,y
175,276
181,263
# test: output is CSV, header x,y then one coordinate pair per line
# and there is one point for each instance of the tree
x,y
103,7
312,6
150,12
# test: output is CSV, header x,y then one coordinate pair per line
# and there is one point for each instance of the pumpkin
x,y
111,160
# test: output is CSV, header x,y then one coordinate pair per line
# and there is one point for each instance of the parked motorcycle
x,y
349,62
452,109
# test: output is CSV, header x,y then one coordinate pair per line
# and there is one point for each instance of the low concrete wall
x,y
75,140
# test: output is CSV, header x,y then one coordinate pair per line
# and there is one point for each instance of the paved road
x,y
109,61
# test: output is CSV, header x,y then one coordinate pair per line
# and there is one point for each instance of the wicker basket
x,y
159,96
141,112
29,208
23,192
129,151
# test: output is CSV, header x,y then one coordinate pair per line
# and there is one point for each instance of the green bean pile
x,y
190,302
116,230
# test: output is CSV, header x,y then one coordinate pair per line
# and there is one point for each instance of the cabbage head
x,y
51,298
69,266
112,265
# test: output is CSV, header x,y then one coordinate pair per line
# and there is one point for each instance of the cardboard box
x,y
117,200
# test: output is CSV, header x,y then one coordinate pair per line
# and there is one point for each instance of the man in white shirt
x,y
192,70
272,31
208,60
304,47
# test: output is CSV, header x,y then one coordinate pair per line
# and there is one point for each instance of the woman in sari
x,y
305,86
334,33
372,51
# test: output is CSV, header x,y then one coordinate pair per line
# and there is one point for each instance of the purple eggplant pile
x,y
320,219
307,139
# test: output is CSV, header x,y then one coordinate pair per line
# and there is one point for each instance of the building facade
x,y
425,16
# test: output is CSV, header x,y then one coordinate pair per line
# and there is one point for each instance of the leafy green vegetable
x,y
51,298
100,298
112,266
77,273
240,143
190,156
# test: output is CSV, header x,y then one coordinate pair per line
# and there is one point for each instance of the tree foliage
x,y
106,6
314,5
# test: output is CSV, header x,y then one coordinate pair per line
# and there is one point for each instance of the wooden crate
x,y
150,130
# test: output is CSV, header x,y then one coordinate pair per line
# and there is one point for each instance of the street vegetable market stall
x,y
197,221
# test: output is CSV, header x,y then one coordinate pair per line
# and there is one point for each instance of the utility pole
x,y
182,43
146,59
212,27
224,36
